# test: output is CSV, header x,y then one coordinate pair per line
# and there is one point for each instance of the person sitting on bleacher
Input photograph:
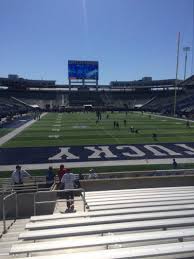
x,y
18,175
68,181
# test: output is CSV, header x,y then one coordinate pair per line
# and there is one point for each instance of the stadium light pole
x,y
186,50
177,67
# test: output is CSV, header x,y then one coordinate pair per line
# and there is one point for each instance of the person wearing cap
x,y
92,174
18,175
68,181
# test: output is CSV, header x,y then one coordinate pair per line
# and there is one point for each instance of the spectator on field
x,y
154,136
188,124
50,177
92,174
68,181
132,129
174,164
18,175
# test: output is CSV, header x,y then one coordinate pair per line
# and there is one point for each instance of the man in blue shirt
x,y
50,177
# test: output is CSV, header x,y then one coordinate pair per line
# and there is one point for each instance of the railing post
x,y
16,205
84,200
35,204
4,218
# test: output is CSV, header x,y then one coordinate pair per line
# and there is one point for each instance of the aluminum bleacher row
x,y
150,222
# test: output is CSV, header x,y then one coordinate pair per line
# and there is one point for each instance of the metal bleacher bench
x,y
132,252
105,228
129,194
140,204
148,199
121,211
108,219
143,190
134,197
101,241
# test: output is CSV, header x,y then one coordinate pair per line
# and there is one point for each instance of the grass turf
x,y
81,129
102,169
4,131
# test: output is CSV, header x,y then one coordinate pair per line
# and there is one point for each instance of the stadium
x,y
90,168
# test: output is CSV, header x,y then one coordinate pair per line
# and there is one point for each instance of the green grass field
x,y
81,129
4,131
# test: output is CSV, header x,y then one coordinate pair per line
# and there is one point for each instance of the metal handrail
x,y
4,210
58,191
34,180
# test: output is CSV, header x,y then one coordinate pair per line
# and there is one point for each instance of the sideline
x,y
100,163
168,117
15,132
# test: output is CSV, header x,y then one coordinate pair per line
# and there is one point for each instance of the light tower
x,y
186,50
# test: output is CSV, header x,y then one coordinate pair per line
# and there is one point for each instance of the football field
x,y
62,129
81,140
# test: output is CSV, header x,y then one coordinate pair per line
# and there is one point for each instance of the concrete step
x,y
7,244
15,228
9,238
5,250
2,245
12,233
5,256
19,225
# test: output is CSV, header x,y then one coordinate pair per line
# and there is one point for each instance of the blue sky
x,y
129,38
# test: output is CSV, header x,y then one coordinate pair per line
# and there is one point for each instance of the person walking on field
x,y
68,181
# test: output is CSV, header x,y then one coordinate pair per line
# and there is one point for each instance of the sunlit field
x,y
56,129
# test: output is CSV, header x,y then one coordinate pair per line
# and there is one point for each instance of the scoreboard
x,y
82,70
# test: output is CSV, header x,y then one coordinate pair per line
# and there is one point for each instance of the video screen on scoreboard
x,y
83,70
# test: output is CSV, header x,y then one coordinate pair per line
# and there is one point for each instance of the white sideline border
x,y
100,163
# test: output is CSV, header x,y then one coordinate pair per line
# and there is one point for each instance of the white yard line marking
x,y
55,129
53,136
15,132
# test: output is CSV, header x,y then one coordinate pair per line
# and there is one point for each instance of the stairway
x,y
11,237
